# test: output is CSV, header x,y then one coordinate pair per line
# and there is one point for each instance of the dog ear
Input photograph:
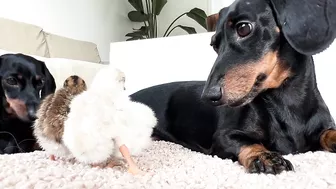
x,y
308,25
1,70
49,85
218,24
2,60
211,22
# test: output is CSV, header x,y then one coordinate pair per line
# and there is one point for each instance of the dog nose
x,y
32,115
213,95
31,110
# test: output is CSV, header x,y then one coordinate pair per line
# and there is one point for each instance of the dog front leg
x,y
247,148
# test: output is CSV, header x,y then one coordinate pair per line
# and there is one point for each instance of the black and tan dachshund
x,y
261,100
24,82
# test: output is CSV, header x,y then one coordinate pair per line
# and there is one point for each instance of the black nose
x,y
32,116
213,95
31,109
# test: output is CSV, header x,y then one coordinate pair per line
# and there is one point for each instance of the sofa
x,y
63,56
190,57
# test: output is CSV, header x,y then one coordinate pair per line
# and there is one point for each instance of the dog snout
x,y
31,111
213,95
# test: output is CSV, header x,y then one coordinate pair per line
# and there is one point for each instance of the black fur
x,y
27,80
308,25
286,119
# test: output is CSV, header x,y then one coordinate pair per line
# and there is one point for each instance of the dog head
x,y
248,39
109,79
24,82
75,84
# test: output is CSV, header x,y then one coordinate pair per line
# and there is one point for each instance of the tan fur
x,y
249,153
55,107
17,107
328,140
240,80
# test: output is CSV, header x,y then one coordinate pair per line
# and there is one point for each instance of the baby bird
x,y
104,125
52,112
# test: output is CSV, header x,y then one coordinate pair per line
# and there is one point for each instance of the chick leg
x,y
52,157
132,167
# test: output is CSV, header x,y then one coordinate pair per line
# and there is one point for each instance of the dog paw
x,y
328,140
270,163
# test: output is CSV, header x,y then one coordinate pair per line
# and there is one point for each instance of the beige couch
x,y
63,56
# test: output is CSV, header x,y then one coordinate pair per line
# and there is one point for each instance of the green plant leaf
x,y
137,16
137,33
199,16
137,4
134,38
144,29
158,5
188,29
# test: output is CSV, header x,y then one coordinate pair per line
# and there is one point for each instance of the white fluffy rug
x,y
169,166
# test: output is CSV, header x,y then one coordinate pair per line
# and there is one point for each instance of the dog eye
x,y
243,29
11,81
40,82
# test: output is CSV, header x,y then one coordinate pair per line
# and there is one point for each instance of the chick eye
x,y
12,81
244,29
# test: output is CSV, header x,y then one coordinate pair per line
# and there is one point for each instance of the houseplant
x,y
147,11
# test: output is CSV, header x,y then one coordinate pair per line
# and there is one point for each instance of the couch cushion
x,y
21,37
190,57
63,47
161,60
62,68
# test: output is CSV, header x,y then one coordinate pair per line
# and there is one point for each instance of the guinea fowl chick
x,y
104,125
52,112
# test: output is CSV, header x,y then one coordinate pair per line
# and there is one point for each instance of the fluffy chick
x,y
52,112
105,125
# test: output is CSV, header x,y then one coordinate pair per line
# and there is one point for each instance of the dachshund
x,y
260,100
25,81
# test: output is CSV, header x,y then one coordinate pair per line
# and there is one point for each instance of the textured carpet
x,y
168,166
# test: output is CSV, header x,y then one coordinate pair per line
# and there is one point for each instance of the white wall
x,y
98,21
217,5
174,8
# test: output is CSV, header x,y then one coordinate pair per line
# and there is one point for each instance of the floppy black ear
x,y
1,90
49,85
308,25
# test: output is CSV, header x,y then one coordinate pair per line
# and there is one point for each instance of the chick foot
x,y
113,163
99,165
132,167
108,164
